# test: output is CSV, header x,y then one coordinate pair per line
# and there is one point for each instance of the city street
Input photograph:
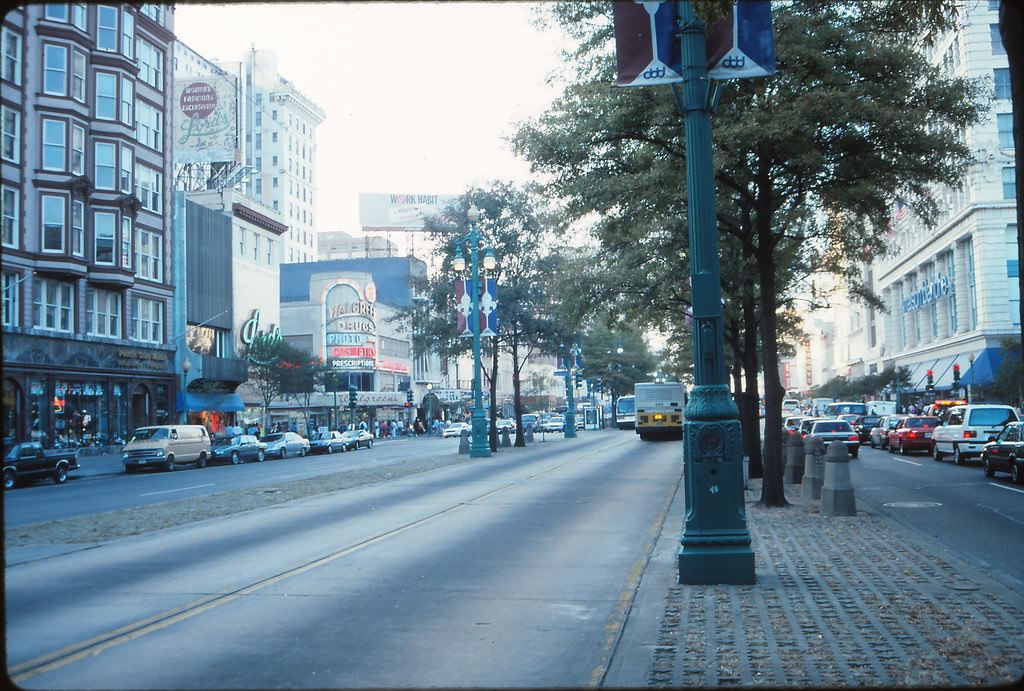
x,y
514,570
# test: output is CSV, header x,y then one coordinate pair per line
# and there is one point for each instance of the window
x,y
149,188
997,40
127,98
51,305
273,182
127,34
55,70
126,242
270,250
273,136
1009,183
77,150
11,145
1004,122
148,125
106,96
55,144
11,222
57,13
78,76
105,175
259,118
104,225
80,16
12,56
53,219
255,247
147,320
149,255
1013,273
102,313
151,64
77,228
1002,82
259,140
241,242
127,164
106,28
12,298
154,12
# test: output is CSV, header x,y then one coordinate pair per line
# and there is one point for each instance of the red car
x,y
913,434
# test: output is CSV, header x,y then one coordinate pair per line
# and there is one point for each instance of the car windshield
x,y
149,433
833,427
991,416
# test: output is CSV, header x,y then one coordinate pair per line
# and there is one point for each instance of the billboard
x,y
406,212
350,330
205,115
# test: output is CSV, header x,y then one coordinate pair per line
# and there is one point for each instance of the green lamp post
x,y
570,401
478,446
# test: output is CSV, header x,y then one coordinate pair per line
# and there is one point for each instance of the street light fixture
x,y
478,446
570,403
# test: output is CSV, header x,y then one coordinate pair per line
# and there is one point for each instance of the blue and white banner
x,y
742,45
647,45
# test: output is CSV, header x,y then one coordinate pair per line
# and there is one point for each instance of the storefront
x,y
65,391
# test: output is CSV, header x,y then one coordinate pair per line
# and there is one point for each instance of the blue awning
x,y
984,369
221,402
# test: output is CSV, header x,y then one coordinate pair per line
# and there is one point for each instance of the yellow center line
x,y
98,644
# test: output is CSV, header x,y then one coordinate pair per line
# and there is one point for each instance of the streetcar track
x,y
98,644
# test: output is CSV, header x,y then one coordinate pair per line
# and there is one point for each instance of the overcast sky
x,y
418,96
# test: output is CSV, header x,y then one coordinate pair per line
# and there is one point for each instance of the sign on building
x,y
205,119
350,330
405,212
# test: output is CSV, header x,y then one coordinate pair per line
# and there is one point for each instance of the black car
x,y
239,449
864,424
354,438
836,430
1006,453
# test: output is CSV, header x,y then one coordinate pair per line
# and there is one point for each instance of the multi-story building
x,y
87,252
951,291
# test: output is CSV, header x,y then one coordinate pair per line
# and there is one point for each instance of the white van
x,y
967,429
845,408
790,407
166,446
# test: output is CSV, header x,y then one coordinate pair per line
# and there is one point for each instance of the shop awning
x,y
944,370
984,369
919,375
221,402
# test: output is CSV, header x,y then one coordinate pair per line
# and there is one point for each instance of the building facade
x,y
87,250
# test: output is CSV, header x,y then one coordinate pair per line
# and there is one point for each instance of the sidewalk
x,y
839,601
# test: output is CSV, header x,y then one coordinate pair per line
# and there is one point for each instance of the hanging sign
x,y
646,44
742,45
488,305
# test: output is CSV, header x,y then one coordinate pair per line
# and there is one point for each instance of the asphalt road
x,y
974,517
515,570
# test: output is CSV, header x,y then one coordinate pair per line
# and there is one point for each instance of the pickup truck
x,y
29,460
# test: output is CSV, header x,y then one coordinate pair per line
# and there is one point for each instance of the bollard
x,y
814,449
464,441
505,441
837,491
794,472
528,434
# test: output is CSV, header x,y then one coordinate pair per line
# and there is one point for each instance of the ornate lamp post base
x,y
478,446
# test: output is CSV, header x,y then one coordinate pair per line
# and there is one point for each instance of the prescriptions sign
x,y
350,330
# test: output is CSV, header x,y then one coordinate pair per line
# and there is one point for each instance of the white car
x,y
967,429
455,429
555,423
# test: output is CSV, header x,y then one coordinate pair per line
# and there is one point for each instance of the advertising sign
x,y
488,305
406,212
350,331
205,120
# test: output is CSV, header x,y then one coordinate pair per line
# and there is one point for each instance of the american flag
x,y
902,211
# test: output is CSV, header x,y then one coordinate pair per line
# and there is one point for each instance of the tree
x,y
270,360
808,163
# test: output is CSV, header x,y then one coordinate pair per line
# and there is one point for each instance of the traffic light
x,y
956,375
408,398
931,382
351,396
600,385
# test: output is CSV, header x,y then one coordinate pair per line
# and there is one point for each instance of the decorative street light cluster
x,y
570,402
478,446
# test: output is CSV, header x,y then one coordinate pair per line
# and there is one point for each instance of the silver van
x,y
166,446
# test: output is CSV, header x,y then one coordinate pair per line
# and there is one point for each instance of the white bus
x,y
625,412
659,410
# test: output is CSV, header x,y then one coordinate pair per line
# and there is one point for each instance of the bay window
x,y
77,228
51,305
55,70
78,63
106,96
104,226
127,165
106,28
149,184
149,255
147,320
11,223
55,142
53,211
148,128
102,313
126,242
11,144
105,173
77,150
12,298
12,55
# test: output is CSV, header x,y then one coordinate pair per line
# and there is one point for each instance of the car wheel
x,y
235,458
1016,471
958,458
9,478
989,470
853,454
169,463
260,455
369,444
903,449
302,451
936,453
60,475
201,463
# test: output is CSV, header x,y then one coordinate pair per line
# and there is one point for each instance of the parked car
x,y
913,434
327,442
837,430
529,420
864,424
29,460
281,444
354,438
455,429
886,425
555,423
239,449
1006,453
506,423
968,428
166,446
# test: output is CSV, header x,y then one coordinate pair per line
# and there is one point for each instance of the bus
x,y
845,408
625,412
659,410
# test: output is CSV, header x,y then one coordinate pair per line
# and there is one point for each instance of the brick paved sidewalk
x,y
840,601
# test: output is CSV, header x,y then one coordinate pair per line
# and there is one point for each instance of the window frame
x,y
77,228
76,149
103,31
149,255
49,148
126,175
10,216
111,239
146,133
149,322
106,307
1009,182
126,98
97,144
109,111
50,295
151,63
149,188
12,134
49,203
12,58
1001,82
48,69
11,285
79,91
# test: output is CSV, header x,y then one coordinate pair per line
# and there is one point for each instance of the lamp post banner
x,y
742,44
646,46
488,308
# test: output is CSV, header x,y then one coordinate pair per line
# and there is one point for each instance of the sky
x,y
418,96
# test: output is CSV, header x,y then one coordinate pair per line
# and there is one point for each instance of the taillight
x,y
970,434
853,437
915,435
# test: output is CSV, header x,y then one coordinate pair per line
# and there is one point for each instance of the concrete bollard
x,y
505,441
837,491
464,442
814,449
528,434
794,472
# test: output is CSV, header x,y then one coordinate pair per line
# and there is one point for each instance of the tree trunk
x,y
492,432
517,397
751,432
